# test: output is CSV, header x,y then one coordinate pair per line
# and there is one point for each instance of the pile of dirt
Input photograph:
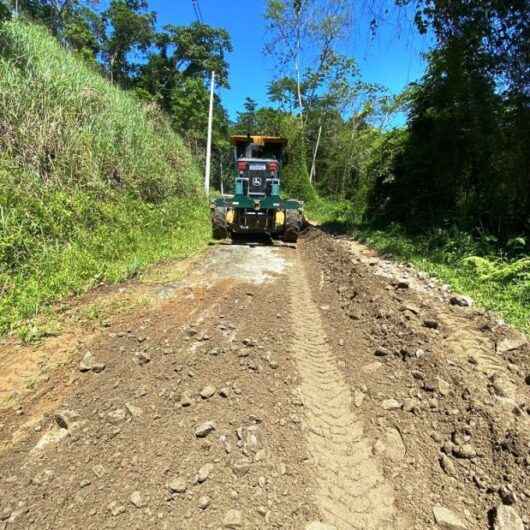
x,y
443,386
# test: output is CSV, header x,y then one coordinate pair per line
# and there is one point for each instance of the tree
x,y
5,12
74,22
130,28
496,30
303,34
184,52
247,121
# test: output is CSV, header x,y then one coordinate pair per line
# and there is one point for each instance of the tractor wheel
x,y
292,226
219,229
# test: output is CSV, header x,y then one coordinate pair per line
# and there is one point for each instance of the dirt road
x,y
317,387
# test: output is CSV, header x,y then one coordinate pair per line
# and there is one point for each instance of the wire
x,y
200,11
197,10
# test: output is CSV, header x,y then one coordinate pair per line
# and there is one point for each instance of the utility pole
x,y
221,173
314,161
209,143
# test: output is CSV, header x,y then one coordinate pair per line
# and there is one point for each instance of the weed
x,y
478,267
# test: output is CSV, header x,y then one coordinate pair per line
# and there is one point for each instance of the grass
x,y
94,185
64,124
496,279
93,242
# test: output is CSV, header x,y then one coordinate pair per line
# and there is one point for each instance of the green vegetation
x,y
496,280
449,191
168,67
94,185
470,266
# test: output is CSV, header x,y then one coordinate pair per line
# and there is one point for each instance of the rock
x,y
208,391
43,478
204,429
223,392
412,308
115,508
99,470
460,300
431,324
507,495
204,473
506,518
381,352
273,363
66,419
444,388
177,485
447,519
316,525
252,438
410,404
465,451
137,500
204,502
241,467
233,519
371,367
403,284
513,342
135,412
117,416
88,364
186,400
448,466
142,358
394,447
391,404
358,398
503,387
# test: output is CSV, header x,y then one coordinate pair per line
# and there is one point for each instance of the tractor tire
x,y
219,228
293,226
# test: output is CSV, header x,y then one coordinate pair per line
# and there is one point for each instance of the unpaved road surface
x,y
318,387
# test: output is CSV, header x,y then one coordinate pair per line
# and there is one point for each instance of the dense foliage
x,y
94,184
465,158
169,67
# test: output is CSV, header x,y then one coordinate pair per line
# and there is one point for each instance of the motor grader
x,y
257,206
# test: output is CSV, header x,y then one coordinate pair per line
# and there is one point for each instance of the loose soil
x,y
311,387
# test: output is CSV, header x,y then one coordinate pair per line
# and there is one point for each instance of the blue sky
x,y
392,59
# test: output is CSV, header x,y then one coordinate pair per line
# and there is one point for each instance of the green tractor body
x,y
256,206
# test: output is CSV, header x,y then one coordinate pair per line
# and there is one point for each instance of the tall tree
x,y
183,52
303,35
130,28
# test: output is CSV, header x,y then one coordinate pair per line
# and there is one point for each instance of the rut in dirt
x,y
351,491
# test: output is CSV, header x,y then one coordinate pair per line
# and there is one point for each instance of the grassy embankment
x,y
94,185
496,278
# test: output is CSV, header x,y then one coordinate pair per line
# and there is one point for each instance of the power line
x,y
200,11
197,10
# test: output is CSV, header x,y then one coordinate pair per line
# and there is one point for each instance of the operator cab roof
x,y
238,139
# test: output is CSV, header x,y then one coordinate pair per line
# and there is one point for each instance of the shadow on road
x,y
253,240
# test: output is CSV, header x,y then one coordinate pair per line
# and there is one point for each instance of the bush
x,y
94,185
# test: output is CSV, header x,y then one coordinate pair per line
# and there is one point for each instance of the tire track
x,y
351,491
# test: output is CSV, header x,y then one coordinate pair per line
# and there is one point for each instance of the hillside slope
x,y
93,184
